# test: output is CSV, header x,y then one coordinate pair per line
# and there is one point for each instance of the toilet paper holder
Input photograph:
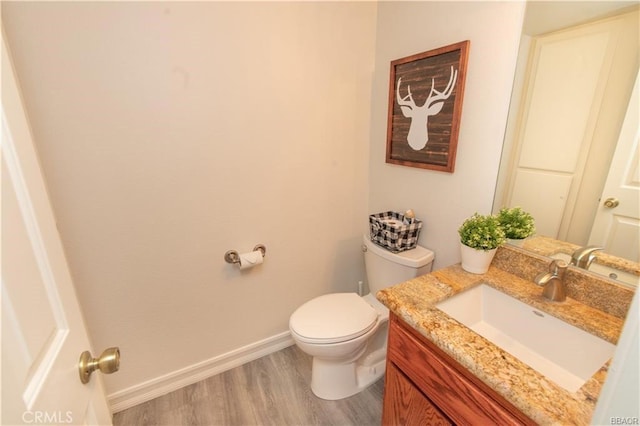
x,y
232,256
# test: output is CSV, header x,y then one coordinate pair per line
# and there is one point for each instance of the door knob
x,y
611,202
108,362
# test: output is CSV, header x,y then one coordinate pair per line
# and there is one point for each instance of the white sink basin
x,y
623,277
561,352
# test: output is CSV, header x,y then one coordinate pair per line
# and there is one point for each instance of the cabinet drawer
x,y
405,405
460,395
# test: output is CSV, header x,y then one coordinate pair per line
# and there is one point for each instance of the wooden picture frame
x,y
425,106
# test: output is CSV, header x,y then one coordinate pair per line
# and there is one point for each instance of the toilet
x,y
346,334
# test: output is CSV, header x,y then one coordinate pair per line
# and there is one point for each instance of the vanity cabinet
x,y
425,386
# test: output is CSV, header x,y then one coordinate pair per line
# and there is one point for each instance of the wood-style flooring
x,y
273,390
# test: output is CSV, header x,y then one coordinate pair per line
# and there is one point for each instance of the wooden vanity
x,y
424,386
440,372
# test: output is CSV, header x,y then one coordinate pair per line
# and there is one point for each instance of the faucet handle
x,y
558,267
557,264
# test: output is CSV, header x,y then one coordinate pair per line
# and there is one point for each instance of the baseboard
x,y
162,385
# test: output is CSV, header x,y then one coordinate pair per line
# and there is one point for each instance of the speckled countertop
x,y
598,306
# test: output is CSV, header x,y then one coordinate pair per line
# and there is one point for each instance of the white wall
x,y
444,200
170,133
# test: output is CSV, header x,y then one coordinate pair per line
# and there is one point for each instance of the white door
x,y
617,223
43,333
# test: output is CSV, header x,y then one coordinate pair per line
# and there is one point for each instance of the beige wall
x,y
171,133
444,200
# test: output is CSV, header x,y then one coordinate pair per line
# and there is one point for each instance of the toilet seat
x,y
333,318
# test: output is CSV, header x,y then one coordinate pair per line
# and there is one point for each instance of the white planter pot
x,y
516,242
476,261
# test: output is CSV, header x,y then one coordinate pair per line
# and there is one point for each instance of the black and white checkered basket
x,y
393,231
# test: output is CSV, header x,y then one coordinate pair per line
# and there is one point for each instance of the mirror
x,y
623,271
555,162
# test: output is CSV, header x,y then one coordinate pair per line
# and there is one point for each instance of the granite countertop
x,y
600,310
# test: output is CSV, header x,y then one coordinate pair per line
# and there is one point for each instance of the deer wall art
x,y
425,105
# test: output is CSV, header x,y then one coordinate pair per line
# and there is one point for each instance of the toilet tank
x,y
385,268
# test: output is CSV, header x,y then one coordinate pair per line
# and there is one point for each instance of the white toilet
x,y
347,334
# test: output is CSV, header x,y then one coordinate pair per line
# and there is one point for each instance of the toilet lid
x,y
333,318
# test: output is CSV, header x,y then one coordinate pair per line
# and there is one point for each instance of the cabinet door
x,y
460,396
404,404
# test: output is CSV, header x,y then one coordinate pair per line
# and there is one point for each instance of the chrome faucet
x,y
553,281
584,256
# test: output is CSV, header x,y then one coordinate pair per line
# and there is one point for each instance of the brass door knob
x,y
611,202
108,362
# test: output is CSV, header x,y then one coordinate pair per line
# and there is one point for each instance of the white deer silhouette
x,y
418,135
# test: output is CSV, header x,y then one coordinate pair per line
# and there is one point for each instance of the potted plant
x,y
517,224
480,237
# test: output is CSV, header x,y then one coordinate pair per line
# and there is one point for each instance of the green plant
x,y
481,232
516,223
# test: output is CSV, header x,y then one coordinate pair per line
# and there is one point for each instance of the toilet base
x,y
345,368
332,381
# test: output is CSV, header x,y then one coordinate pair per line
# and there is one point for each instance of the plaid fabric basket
x,y
393,231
